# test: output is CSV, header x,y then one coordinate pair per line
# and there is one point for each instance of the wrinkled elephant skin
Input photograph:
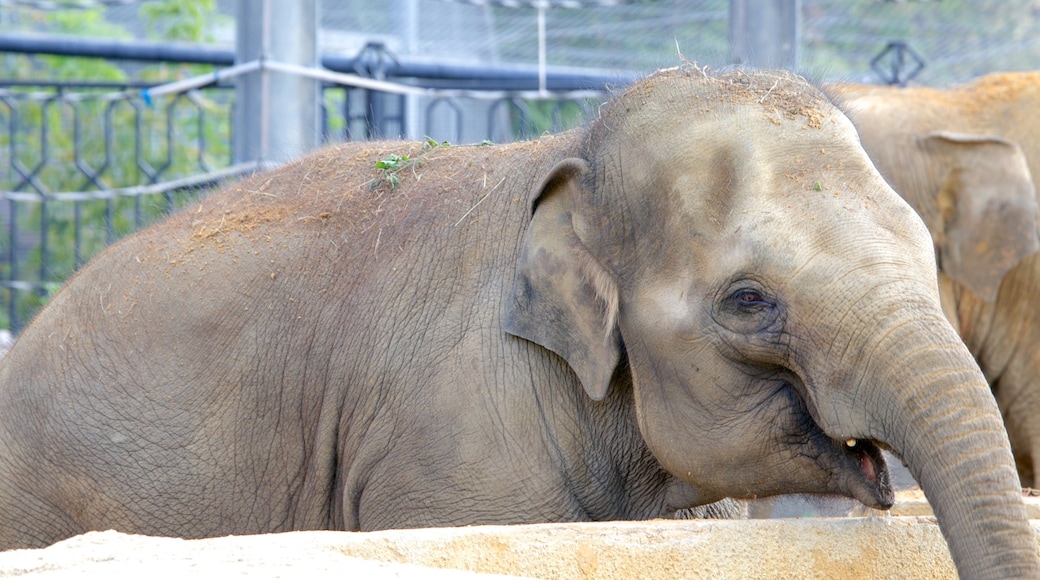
x,y
708,292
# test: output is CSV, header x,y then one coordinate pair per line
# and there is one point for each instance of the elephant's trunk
x,y
943,421
954,442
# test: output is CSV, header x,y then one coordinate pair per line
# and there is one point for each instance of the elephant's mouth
x,y
866,474
854,467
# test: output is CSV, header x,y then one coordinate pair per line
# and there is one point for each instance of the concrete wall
x,y
871,547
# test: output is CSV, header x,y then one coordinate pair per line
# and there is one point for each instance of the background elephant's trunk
x,y
928,401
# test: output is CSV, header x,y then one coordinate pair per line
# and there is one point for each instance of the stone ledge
x,y
115,556
890,547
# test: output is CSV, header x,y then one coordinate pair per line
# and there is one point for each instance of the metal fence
x,y
87,163
83,164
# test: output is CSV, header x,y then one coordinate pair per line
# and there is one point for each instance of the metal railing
x,y
85,163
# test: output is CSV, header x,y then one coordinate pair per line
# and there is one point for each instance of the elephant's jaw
x,y
845,466
856,466
865,473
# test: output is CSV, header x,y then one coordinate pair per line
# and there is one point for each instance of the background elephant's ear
x,y
987,207
562,298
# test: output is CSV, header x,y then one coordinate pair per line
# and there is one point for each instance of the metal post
x,y
765,33
276,114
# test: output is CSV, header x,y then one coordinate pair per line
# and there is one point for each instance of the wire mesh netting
x,y
956,39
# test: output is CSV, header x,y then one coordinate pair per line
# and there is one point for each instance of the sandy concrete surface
x,y
297,555
873,547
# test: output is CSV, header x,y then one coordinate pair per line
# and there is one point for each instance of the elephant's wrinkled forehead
x,y
738,162
762,160
784,184
670,123
690,91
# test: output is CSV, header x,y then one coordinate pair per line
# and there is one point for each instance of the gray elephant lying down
x,y
707,292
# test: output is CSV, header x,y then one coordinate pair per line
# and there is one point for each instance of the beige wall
x,y
872,547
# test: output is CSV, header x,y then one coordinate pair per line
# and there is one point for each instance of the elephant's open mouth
x,y
853,467
869,480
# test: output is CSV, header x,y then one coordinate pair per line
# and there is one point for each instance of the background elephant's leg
x,y
1025,443
1022,416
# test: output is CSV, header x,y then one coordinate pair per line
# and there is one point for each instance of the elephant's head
x,y
776,305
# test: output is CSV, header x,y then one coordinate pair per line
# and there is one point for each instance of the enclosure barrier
x,y
904,548
175,139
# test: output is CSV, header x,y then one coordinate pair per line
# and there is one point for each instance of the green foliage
x,y
539,117
431,143
391,166
180,20
87,144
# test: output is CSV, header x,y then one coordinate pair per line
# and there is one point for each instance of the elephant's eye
x,y
749,299
748,309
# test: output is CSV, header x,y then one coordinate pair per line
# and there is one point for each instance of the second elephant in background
x,y
966,159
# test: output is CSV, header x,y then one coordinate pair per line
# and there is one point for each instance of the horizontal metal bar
x,y
462,76
22,285
75,84
186,182
402,89
352,80
115,49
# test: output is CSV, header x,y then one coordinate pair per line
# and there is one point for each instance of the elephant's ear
x,y
987,207
562,298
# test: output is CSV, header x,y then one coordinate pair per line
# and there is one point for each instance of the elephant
x,y
964,158
708,291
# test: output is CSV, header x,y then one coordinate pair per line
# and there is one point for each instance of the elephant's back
x,y
324,255
271,293
365,192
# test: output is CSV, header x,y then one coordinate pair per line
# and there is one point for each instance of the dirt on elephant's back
x,y
778,92
978,98
362,189
310,189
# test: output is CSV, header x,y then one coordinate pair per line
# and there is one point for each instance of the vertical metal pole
x,y
765,33
413,104
276,114
12,258
541,48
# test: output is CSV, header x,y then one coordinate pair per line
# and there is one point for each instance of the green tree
x,y
67,142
